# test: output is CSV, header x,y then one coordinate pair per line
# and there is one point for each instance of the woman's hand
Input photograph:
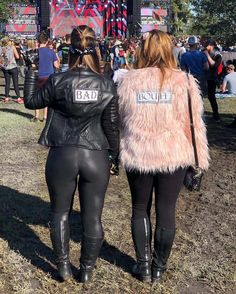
x,y
114,170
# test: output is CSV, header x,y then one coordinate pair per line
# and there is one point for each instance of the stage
x,y
107,18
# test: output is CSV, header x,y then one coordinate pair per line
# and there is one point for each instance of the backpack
x,y
220,68
3,58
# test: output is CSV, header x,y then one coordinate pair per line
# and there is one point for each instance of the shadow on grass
x,y
219,135
19,212
17,112
114,256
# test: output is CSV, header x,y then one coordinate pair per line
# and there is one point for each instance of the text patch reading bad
x,y
85,96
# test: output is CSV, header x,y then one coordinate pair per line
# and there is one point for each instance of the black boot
x,y
59,233
141,238
163,241
90,249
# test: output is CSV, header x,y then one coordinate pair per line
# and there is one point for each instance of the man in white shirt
x,y
229,82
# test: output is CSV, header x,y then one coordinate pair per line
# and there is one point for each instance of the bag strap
x,y
192,127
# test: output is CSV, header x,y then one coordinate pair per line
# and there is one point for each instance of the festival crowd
x,y
201,57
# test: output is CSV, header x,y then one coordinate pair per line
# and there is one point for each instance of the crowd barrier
x,y
228,56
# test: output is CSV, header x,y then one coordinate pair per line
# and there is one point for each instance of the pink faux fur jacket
x,y
155,127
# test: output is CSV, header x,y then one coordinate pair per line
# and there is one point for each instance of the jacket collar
x,y
84,70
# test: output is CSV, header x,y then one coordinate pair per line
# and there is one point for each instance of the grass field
x,y
203,258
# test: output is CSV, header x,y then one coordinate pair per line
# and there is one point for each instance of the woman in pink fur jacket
x,y
156,146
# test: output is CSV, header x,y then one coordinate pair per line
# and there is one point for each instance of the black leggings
x,y
63,166
7,74
167,187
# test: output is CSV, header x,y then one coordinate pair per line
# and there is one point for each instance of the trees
x,y
180,16
6,10
216,19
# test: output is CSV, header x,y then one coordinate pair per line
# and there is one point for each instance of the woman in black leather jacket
x,y
82,133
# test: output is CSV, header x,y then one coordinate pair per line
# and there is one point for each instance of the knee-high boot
x,y
59,233
141,238
90,249
163,241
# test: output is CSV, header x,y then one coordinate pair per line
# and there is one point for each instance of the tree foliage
x,y
216,19
180,16
6,9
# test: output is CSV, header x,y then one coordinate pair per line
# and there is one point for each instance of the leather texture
x,y
91,125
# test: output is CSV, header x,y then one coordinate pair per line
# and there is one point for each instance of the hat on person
x,y
193,40
117,43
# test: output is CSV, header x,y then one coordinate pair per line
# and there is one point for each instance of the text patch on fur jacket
x,y
154,97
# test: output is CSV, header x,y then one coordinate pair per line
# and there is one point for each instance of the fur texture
x,y
157,137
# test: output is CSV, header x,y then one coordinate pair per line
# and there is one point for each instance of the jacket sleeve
x,y
110,124
37,99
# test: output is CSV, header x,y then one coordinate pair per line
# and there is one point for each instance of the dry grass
x,y
203,256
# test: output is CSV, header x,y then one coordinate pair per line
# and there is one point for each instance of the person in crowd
x,y
195,62
214,59
229,82
130,57
119,74
20,61
103,49
115,57
31,54
63,52
156,146
8,50
83,135
48,62
52,45
229,86
178,51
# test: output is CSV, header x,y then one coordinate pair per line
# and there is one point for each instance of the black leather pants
x,y
64,165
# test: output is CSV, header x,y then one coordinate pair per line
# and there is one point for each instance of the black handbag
x,y
194,174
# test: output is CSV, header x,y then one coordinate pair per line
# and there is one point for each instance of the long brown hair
x,y
83,38
156,51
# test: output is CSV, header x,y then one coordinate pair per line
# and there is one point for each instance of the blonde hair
x,y
156,51
5,42
83,38
31,44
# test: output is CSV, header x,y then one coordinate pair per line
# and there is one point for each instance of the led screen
x,y
154,15
24,20
103,16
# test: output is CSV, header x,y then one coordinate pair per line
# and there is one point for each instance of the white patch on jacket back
x,y
86,96
154,97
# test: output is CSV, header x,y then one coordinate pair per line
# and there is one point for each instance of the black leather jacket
x,y
83,110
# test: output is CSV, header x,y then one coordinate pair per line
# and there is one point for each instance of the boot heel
x,y
142,271
85,276
64,270
146,279
157,275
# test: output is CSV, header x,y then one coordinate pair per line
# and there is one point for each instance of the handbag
x,y
194,174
